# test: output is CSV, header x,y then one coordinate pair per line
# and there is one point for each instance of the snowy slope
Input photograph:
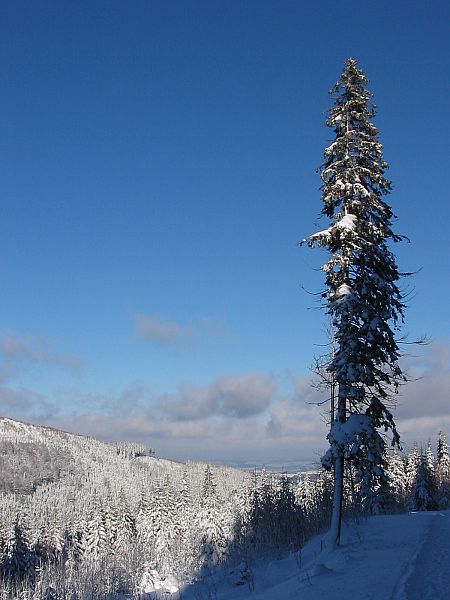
x,y
396,557
31,455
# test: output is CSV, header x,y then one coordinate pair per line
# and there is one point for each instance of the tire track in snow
x,y
430,576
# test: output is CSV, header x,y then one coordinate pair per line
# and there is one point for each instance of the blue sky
x,y
158,168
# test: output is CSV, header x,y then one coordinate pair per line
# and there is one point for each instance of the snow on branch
x,y
347,222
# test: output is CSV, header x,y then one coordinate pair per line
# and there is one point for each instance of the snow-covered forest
x,y
85,519
208,264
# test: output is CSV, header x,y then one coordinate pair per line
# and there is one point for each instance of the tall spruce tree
x,y
363,299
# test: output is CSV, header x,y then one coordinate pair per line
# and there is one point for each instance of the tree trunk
x,y
338,492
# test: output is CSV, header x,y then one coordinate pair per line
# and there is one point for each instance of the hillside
x,y
38,461
31,456
71,499
82,519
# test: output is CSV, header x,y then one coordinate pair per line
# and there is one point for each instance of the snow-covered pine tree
x,y
423,491
209,486
288,516
96,535
443,472
212,522
363,299
397,481
443,457
18,558
126,525
304,493
411,467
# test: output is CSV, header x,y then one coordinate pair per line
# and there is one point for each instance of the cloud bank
x,y
255,416
227,396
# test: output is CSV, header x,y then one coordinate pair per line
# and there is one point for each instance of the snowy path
x,y
397,557
430,576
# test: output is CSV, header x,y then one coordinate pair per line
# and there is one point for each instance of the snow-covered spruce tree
x,y
423,493
363,299
397,482
443,457
212,524
443,472
430,456
411,467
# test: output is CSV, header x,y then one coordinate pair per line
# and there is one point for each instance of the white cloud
x,y
230,396
156,329
159,330
25,404
18,348
22,355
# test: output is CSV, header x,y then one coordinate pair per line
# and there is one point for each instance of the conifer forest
x,y
85,519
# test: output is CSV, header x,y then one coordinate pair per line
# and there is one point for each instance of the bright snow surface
x,y
396,557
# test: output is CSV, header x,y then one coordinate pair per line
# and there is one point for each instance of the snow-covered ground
x,y
396,557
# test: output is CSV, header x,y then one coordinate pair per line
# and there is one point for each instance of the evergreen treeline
x,y
107,523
